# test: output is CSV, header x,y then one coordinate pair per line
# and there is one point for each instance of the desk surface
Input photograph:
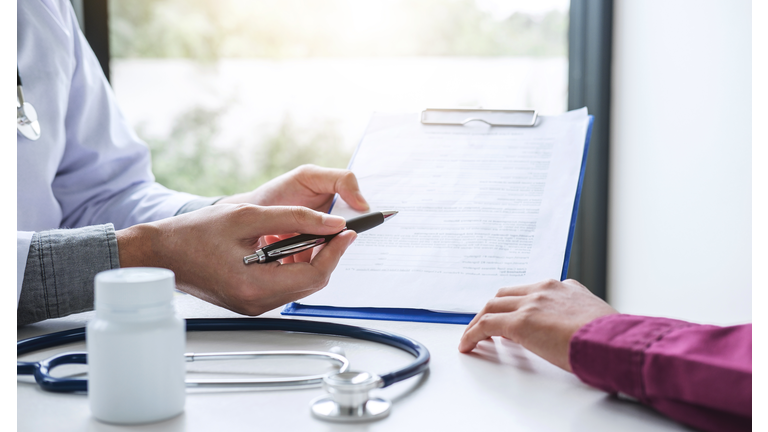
x,y
500,385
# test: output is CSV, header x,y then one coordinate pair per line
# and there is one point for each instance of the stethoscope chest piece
x,y
26,121
348,399
26,115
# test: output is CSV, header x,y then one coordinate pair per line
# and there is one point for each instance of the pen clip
x,y
294,248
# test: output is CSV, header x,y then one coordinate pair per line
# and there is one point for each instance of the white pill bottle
x,y
136,342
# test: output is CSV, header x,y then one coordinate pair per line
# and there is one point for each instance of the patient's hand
x,y
308,186
205,249
541,317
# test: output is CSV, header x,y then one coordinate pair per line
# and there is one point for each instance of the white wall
x,y
680,183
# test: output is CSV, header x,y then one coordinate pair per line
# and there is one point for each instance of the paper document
x,y
481,208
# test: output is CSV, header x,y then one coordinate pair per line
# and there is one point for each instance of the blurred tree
x,y
206,30
187,161
292,146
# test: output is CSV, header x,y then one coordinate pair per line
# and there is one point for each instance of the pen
x,y
302,242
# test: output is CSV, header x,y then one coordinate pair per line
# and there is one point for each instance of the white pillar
x,y
680,204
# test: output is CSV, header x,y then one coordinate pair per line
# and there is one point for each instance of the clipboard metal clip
x,y
491,117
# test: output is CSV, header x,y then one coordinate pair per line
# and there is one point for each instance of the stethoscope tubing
x,y
40,369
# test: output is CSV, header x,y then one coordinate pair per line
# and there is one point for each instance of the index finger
x,y
522,290
497,305
299,279
519,290
489,325
276,220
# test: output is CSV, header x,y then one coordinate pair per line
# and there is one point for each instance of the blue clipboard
x,y
423,315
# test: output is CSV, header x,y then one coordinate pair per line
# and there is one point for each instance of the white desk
x,y
500,387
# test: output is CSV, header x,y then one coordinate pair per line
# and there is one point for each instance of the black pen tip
x,y
388,214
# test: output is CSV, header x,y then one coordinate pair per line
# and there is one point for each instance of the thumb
x,y
295,219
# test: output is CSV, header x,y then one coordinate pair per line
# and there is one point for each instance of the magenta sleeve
x,y
700,375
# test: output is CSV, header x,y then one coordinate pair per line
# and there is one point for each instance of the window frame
x,y
589,84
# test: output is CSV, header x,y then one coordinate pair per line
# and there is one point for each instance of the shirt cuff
x,y
609,352
23,239
61,266
197,204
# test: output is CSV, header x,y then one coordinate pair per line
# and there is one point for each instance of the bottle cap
x,y
132,288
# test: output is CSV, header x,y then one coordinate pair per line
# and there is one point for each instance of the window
x,y
231,93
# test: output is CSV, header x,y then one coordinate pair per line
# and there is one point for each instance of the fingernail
x,y
333,221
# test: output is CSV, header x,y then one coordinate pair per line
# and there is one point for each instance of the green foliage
x,y
188,161
207,30
292,146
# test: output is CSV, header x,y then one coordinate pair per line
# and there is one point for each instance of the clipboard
x,y
449,117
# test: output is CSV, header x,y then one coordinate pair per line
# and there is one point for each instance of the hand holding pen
x,y
303,242
205,248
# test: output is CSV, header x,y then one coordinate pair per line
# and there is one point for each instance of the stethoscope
x,y
348,398
26,115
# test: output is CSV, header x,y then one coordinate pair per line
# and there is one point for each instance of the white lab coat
x,y
88,167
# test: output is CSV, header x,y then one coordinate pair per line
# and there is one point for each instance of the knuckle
x,y
345,180
244,210
532,309
515,326
305,169
348,177
524,316
493,304
550,284
532,312
510,326
484,321
574,284
301,215
537,298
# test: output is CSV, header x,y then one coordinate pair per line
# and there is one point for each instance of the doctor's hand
x,y
205,250
541,317
308,186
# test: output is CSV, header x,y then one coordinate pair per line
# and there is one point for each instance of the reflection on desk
x,y
499,385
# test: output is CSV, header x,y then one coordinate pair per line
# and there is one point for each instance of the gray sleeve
x,y
197,204
61,265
